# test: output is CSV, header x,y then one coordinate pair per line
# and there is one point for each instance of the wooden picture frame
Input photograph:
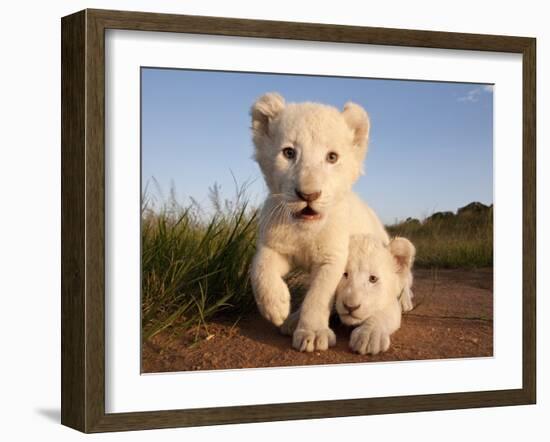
x,y
83,220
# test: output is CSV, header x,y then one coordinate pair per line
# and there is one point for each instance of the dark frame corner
x,y
83,215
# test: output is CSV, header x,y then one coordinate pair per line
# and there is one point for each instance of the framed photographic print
x,y
270,220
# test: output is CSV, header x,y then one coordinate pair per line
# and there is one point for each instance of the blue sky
x,y
431,145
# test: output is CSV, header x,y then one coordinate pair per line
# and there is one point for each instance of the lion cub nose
x,y
351,308
308,197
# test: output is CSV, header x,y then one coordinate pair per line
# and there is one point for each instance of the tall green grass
x,y
195,265
452,241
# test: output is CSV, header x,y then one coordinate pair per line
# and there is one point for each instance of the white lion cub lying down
x,y
369,291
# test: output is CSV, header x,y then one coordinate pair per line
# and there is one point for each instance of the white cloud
x,y
473,95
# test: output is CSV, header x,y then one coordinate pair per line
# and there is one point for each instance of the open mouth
x,y
307,214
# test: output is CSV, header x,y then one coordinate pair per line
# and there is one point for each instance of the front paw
x,y
311,340
369,338
405,300
275,309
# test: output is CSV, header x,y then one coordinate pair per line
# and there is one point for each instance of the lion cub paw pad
x,y
369,340
311,340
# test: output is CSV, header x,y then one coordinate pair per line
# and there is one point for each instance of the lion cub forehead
x,y
367,252
314,121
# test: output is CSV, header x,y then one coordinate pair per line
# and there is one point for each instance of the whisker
x,y
280,212
270,216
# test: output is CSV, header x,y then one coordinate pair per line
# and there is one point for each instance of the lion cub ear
x,y
263,111
403,252
358,120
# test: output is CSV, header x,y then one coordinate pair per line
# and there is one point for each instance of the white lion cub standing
x,y
368,294
310,155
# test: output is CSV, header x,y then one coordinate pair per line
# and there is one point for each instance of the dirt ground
x,y
452,318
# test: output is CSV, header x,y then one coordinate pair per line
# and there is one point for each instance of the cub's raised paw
x,y
275,309
369,338
311,340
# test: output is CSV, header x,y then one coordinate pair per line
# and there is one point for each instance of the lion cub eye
x,y
346,275
332,157
289,153
373,279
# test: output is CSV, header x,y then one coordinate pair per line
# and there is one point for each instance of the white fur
x,y
319,246
401,249
376,304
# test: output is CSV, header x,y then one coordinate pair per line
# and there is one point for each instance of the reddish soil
x,y
452,318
